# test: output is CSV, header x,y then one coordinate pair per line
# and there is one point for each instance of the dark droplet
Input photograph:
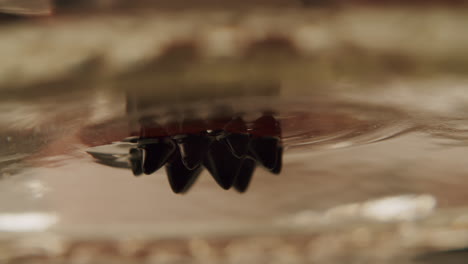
x,y
222,164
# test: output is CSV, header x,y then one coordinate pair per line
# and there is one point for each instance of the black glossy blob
x,y
222,164
180,178
136,157
156,154
230,152
193,149
245,175
239,143
265,150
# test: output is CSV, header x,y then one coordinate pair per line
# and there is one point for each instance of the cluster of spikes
x,y
230,153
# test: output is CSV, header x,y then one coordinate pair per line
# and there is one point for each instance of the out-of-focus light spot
x,y
27,222
387,209
37,188
344,144
399,208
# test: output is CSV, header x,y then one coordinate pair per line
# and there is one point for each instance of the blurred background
x,y
314,131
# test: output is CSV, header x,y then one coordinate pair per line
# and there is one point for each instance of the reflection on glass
x,y
230,149
27,221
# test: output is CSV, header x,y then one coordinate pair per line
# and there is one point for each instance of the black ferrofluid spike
x,y
245,175
222,164
265,151
180,178
193,149
157,154
136,160
237,137
279,161
239,143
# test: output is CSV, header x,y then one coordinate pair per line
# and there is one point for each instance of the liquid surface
x,y
337,151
